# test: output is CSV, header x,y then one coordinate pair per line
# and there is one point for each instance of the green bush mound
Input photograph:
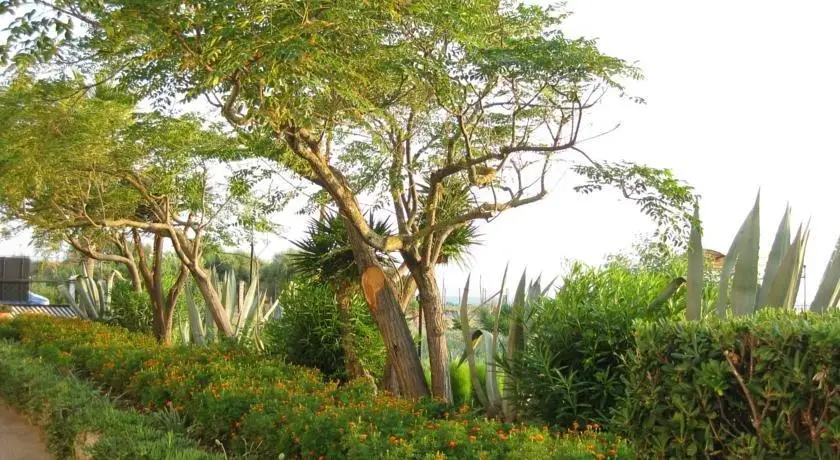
x,y
72,412
572,368
257,407
762,386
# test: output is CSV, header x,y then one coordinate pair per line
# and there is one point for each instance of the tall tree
x,y
416,96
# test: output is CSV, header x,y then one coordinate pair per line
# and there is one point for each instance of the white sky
x,y
740,96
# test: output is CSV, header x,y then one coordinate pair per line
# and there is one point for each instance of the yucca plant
x,y
94,296
739,289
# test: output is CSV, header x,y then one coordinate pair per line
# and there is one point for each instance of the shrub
x,y
260,408
129,308
572,369
308,333
69,409
763,386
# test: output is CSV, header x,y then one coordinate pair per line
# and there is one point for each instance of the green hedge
x,y
764,386
260,408
69,409
572,368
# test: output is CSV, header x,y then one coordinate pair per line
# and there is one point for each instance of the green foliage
x,y
760,386
572,367
325,253
68,408
258,407
130,309
462,389
308,331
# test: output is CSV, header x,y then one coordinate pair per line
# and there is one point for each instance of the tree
x,y
406,100
88,164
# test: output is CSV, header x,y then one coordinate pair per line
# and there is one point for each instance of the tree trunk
x,y
432,306
385,309
212,300
162,324
348,343
134,275
158,313
90,265
389,379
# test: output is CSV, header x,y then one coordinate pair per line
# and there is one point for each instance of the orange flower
x,y
453,444
472,439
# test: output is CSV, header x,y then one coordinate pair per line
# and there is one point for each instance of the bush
x,y
308,331
572,366
764,386
129,308
69,410
259,408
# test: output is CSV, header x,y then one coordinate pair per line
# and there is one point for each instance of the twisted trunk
x,y
384,306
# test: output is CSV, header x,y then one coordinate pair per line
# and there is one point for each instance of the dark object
x,y
14,279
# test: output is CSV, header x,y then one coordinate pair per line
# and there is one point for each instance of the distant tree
x,y
78,166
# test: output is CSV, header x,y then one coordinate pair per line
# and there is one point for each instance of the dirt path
x,y
19,440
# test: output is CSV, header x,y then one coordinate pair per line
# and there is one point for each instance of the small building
x,y
15,295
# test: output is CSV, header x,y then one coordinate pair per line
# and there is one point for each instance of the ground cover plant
x,y
257,406
73,412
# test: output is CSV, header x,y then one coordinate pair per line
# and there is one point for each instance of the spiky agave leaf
x,y
783,283
469,342
694,276
516,343
781,244
828,292
745,279
729,262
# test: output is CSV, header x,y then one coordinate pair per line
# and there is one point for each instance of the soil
x,y
20,440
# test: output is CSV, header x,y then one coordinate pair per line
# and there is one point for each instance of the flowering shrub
x,y
256,406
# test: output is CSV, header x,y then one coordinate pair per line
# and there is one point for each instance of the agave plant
x,y
739,289
94,296
526,296
247,309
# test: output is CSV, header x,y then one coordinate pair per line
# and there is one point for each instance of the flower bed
x,y
256,406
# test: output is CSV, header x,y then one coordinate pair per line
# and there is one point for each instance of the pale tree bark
x,y
407,290
125,257
189,252
163,303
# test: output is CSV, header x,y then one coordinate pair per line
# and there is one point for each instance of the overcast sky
x,y
740,96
